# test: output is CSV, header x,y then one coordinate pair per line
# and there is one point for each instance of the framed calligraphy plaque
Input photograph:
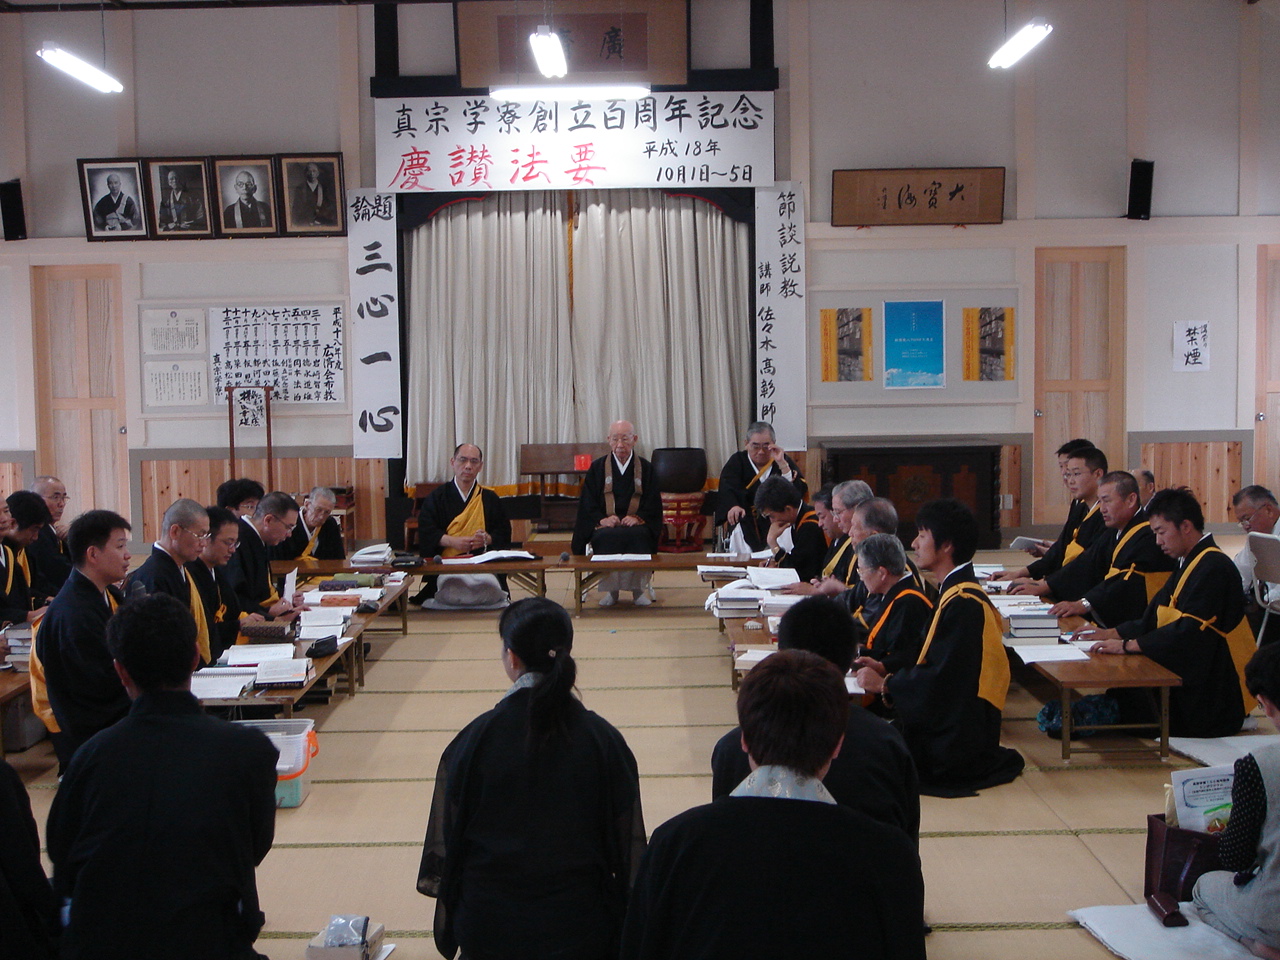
x,y
906,196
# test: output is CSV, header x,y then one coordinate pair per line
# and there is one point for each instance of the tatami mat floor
x,y
1001,869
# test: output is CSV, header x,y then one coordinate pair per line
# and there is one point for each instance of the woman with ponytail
x,y
535,830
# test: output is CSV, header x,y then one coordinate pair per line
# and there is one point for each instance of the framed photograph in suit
x,y
312,194
111,192
178,194
246,191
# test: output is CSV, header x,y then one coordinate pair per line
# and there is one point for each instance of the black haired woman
x,y
535,830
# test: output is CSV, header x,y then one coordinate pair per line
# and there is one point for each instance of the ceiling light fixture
x,y
582,91
1021,43
69,63
548,52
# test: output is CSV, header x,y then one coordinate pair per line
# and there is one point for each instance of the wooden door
x,y
1266,454
1080,320
80,407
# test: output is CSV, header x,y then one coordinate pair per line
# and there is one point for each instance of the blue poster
x,y
914,353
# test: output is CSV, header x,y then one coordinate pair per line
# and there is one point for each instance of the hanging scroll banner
x,y
781,380
377,428
665,140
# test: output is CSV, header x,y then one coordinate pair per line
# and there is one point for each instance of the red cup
x,y
582,461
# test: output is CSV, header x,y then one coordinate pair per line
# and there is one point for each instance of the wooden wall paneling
x,y
11,478
1212,470
1011,485
1266,458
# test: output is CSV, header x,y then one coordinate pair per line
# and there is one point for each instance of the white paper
x,y
851,684
1046,653
621,557
786,541
326,616
491,556
772,578
175,383
1190,345
1216,751
290,585
220,683
172,331
1201,795
252,654
319,632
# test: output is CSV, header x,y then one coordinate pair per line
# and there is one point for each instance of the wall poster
x,y
988,343
846,343
914,345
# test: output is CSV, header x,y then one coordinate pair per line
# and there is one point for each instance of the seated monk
x,y
839,568
742,475
317,535
794,535
460,518
184,532
620,512
896,613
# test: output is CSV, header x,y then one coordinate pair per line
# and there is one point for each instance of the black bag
x,y
1177,858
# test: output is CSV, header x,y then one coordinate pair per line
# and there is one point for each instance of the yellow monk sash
x,y
39,690
760,474
9,564
311,544
1154,579
993,677
468,521
610,507
1074,548
202,622
884,614
1240,639
24,565
835,560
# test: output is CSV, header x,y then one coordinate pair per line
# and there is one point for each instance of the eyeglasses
x,y
202,537
229,542
58,497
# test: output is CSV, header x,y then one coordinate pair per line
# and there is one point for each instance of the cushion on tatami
x,y
1217,751
1134,933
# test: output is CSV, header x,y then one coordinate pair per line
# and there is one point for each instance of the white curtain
x,y
489,347
516,337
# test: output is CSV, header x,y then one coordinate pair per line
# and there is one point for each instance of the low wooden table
x,y
13,684
588,572
530,575
1108,671
350,652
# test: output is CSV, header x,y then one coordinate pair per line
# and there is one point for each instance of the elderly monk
x,y
620,512
457,519
317,535
742,475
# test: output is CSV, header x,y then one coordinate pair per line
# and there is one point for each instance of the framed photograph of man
x,y
246,196
112,194
178,198
313,194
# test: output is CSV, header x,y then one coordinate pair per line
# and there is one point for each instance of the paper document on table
x,y
325,616
290,584
252,654
320,632
622,557
772,578
221,683
1045,652
491,555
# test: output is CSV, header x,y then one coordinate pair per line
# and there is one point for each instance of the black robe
x,y
765,877
846,568
249,571
1209,702
809,545
897,624
737,489
15,594
50,563
531,854
591,508
1084,525
329,544
874,773
27,903
84,692
1122,597
155,832
953,734
441,508
221,606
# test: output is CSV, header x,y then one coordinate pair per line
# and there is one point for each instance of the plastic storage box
x,y
296,741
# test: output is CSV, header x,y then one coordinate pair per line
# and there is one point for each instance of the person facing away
x,y
161,820
535,827
778,868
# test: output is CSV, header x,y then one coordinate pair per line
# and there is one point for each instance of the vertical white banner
x,y
781,375
377,409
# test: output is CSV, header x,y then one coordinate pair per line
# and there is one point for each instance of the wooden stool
x,y
683,523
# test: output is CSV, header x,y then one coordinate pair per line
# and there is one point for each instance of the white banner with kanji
x,y
377,409
781,375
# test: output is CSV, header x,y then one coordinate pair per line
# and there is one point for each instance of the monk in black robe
x,y
742,475
788,514
26,900
948,704
183,534
317,535
249,570
1195,626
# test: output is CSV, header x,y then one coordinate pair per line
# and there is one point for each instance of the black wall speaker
x,y
1141,175
15,220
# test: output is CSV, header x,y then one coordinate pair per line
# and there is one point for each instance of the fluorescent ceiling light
x,y
84,72
547,52
1021,43
580,91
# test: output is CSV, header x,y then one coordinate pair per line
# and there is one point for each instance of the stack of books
x,y
776,604
1033,625
732,602
18,637
710,572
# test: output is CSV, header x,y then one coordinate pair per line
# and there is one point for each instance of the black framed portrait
x,y
312,194
178,198
111,192
246,189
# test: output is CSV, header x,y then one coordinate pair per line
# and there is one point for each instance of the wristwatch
x,y
1084,602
